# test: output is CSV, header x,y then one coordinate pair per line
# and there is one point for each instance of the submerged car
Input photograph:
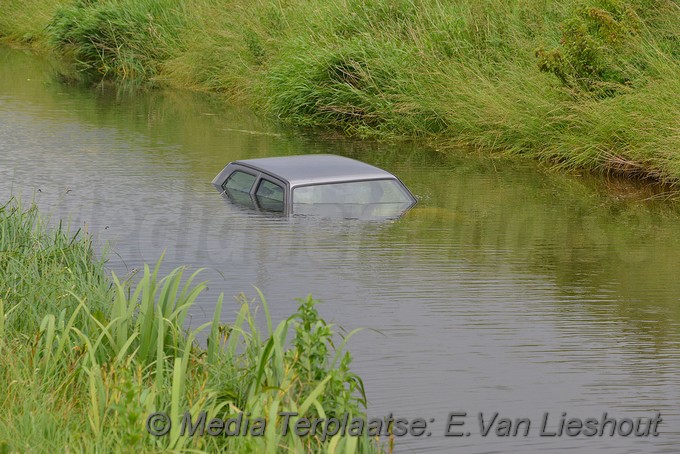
x,y
323,184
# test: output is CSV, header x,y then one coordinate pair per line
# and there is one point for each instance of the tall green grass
x,y
26,22
125,40
86,358
578,83
45,271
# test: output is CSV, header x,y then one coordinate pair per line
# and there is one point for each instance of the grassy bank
x,y
588,84
85,358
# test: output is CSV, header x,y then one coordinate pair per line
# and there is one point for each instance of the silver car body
x,y
291,172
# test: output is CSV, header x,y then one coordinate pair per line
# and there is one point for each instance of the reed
x,y
84,372
587,84
26,22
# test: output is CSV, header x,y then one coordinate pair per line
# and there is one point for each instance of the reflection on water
x,y
504,290
360,211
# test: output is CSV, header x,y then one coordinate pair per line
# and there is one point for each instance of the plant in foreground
x,y
85,375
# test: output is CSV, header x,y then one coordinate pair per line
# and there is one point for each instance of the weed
x,y
85,373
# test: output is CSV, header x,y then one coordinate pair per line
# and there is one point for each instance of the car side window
x,y
239,181
270,190
269,195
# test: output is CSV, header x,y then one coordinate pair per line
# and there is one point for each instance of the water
x,y
506,289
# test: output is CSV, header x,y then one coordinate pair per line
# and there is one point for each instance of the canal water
x,y
507,288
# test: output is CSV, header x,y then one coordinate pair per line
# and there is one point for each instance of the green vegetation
x,y
590,84
26,22
85,358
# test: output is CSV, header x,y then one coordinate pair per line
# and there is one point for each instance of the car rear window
x,y
355,192
239,181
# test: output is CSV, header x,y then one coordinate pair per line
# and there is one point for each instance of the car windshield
x,y
355,192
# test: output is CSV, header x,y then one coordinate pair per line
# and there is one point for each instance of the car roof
x,y
316,168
